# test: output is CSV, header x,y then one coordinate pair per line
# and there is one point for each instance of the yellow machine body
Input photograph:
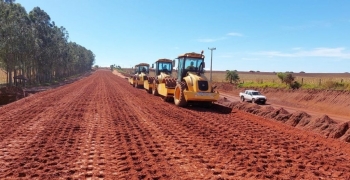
x,y
194,92
141,72
192,85
166,85
163,82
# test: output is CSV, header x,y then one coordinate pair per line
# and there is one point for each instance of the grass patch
x,y
261,85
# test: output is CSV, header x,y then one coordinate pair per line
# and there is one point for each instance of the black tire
x,y
179,97
242,98
154,89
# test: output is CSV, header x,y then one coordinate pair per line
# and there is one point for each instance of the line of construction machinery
x,y
188,86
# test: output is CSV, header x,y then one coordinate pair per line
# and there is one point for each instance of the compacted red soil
x,y
100,127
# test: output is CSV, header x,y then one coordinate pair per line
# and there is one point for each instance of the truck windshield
x,y
255,93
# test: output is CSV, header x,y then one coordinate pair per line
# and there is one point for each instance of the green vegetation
x,y
261,85
33,46
331,85
232,76
289,79
113,66
332,81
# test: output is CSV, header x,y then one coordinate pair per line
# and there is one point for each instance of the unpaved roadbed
x,y
100,127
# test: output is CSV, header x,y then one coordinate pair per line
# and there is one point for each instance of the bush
x,y
295,85
333,85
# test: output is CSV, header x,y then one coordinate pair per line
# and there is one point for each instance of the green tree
x,y
289,79
232,76
281,76
32,45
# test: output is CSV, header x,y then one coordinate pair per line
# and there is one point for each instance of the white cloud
x,y
316,52
234,34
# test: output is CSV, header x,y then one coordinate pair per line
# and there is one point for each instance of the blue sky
x,y
270,35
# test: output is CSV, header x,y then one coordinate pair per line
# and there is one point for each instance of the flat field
x,y
305,78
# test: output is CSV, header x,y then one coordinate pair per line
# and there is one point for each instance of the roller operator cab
x,y
164,83
163,69
140,75
192,85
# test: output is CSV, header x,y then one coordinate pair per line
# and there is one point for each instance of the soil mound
x,y
299,118
265,111
223,105
279,114
346,136
323,125
10,94
224,86
341,130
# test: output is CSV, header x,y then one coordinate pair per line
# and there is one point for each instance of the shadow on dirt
x,y
214,108
222,106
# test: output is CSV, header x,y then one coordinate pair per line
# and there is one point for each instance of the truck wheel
x,y
155,89
179,97
242,98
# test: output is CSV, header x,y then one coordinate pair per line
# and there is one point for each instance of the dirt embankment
x,y
328,102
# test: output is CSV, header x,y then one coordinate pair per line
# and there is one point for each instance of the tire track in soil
x,y
45,138
218,139
102,128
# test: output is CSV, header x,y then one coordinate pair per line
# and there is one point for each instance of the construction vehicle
x,y
191,84
163,84
140,74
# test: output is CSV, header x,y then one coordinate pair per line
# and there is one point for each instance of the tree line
x,y
33,46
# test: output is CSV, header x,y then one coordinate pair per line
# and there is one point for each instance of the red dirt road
x,y
100,127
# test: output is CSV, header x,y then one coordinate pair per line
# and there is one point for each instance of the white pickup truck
x,y
253,96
